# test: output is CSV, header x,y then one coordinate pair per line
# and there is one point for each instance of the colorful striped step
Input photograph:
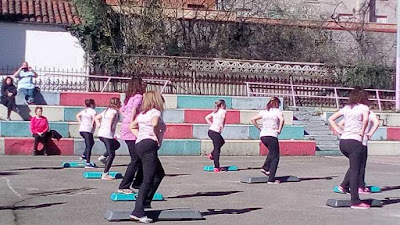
x,y
224,168
97,175
115,196
77,164
373,189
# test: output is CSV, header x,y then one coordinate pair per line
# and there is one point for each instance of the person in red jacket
x,y
39,127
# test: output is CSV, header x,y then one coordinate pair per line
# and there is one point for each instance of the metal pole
x,y
398,56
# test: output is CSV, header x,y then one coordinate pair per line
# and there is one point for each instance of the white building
x,y
35,31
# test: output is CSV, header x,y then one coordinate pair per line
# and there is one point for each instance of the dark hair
x,y
5,80
135,86
90,103
274,102
218,104
358,96
115,103
37,108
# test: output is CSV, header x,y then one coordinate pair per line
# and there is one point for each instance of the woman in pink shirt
x,y
39,127
133,101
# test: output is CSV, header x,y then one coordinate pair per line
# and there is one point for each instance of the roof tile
x,y
39,11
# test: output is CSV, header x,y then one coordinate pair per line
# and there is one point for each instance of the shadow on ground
x,y
23,207
61,192
212,212
203,194
316,178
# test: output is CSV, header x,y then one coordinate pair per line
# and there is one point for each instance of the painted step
x,y
373,189
97,175
224,168
156,215
329,153
338,203
321,137
293,148
77,164
115,196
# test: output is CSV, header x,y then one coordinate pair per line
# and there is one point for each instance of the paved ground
x,y
35,190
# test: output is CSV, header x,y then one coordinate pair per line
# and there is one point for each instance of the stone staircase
x,y
316,129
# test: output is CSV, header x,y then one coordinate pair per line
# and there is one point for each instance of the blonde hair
x,y
152,100
115,103
218,104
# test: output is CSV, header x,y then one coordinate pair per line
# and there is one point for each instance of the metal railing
x,y
325,92
81,82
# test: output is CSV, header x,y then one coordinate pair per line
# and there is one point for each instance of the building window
x,y
381,19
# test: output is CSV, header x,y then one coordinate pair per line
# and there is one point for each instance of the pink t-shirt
x,y
353,121
146,130
126,111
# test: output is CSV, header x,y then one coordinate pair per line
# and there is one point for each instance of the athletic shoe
x,y
266,173
125,191
274,182
8,119
35,153
107,177
364,191
217,170
102,159
143,219
360,206
82,157
90,166
342,190
210,157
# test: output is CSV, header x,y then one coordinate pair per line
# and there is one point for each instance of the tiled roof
x,y
61,12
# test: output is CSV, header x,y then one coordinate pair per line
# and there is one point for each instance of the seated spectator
x,y
25,76
40,130
8,92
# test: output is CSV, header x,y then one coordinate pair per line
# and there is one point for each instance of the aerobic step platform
x,y
338,203
373,189
97,175
264,179
115,196
157,215
75,164
225,168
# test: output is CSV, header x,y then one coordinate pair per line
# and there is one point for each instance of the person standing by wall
x,y
8,93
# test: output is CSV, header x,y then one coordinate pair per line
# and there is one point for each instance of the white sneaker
x,y
143,219
106,176
102,159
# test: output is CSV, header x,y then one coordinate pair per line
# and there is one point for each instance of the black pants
x,y
153,173
135,167
111,146
42,139
352,149
218,142
361,176
89,142
8,102
272,161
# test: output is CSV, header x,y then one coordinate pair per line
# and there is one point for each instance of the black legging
x,y
218,142
361,175
364,156
8,102
272,161
135,167
352,149
111,145
153,173
89,142
42,139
